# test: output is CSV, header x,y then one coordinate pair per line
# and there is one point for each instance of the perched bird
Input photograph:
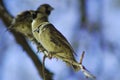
x,y
22,24
47,38
51,39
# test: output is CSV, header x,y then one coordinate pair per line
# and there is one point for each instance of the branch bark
x,y
83,13
7,19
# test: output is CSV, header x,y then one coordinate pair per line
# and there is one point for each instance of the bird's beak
x,y
51,8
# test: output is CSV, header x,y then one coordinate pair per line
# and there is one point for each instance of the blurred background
x,y
89,25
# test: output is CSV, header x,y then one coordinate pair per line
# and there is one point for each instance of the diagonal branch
x,y
7,18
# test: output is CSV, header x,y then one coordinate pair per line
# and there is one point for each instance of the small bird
x,y
51,39
47,38
22,24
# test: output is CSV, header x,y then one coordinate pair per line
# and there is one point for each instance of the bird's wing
x,y
58,37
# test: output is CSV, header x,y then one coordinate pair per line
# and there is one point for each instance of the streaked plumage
x,y
22,24
52,40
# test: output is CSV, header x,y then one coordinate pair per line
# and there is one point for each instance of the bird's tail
x,y
75,67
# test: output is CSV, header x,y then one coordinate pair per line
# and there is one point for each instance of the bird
x,y
51,39
34,25
22,24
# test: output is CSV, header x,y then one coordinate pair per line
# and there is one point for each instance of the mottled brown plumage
x,y
22,24
52,40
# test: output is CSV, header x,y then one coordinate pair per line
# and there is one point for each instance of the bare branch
x,y
44,57
7,18
83,13
81,57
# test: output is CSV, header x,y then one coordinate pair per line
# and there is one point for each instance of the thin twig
x,y
81,57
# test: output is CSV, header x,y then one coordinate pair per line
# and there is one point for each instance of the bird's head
x,y
25,16
22,22
45,9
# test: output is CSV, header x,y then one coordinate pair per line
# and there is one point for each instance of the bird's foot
x,y
51,54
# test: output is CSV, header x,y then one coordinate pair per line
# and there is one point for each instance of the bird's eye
x,y
26,13
34,15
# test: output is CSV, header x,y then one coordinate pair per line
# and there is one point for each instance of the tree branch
x,y
83,13
7,19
